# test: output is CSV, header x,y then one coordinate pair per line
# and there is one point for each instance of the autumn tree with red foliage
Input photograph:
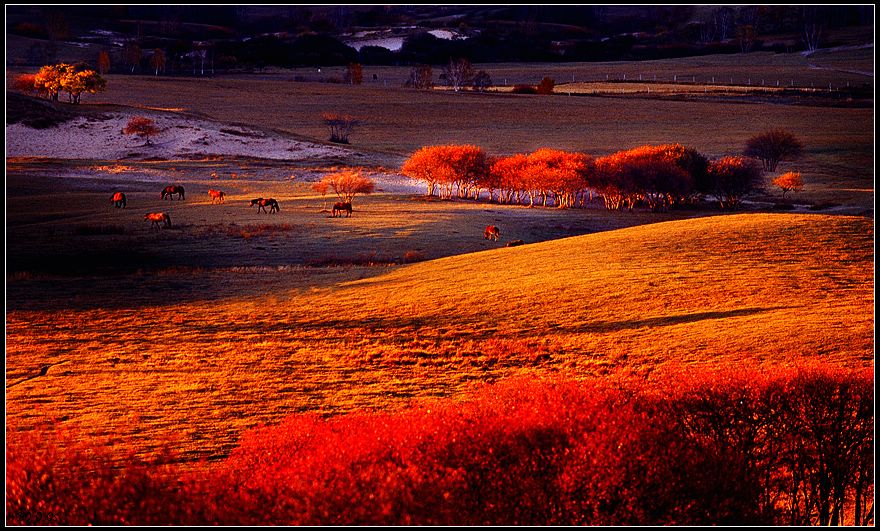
x,y
449,169
508,173
143,127
25,83
48,80
51,80
560,174
546,86
788,182
347,184
322,187
731,178
660,176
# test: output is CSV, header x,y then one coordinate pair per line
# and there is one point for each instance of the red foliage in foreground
x,y
789,446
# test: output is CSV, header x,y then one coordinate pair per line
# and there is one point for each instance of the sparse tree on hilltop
x,y
143,127
482,81
354,74
341,126
132,52
103,62
772,147
459,73
157,60
788,182
421,77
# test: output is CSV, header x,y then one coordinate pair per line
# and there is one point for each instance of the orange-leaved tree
x,y
546,86
448,167
143,127
349,183
48,80
73,79
322,187
75,83
732,178
788,182
562,173
510,174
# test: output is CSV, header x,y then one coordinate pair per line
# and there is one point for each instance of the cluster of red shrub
x,y
655,176
786,446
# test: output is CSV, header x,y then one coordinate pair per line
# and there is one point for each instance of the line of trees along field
x,y
659,177
783,446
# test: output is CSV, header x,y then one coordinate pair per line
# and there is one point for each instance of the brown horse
x,y
492,233
170,190
339,207
262,203
118,200
217,195
158,218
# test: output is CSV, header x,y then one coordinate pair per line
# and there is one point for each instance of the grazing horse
x,y
339,207
171,190
492,233
118,200
261,205
158,218
217,195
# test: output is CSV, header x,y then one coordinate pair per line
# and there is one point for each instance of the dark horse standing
x,y
339,207
262,203
118,200
171,190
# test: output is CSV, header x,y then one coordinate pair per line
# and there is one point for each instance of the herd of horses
x,y
162,219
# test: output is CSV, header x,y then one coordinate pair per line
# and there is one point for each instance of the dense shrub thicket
x,y
784,446
657,177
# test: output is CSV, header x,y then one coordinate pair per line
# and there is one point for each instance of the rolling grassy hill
x,y
760,289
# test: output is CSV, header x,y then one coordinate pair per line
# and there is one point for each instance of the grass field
x,y
192,372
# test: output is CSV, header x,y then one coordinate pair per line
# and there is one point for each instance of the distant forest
x,y
242,37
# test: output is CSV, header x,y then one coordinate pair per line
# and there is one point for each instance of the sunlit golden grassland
x,y
758,289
